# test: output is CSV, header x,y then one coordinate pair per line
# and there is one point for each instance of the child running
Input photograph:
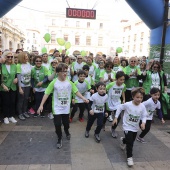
x,y
97,110
134,111
115,90
83,87
62,90
151,105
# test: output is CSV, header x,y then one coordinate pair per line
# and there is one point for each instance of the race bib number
x,y
150,112
98,109
63,101
133,120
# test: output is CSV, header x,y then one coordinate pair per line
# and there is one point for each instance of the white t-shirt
x,y
47,65
151,106
98,102
114,94
25,75
132,115
8,67
117,68
83,89
76,67
62,92
155,80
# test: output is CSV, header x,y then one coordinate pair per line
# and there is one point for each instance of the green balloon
x,y
47,37
61,41
67,52
67,45
119,50
83,53
60,50
44,50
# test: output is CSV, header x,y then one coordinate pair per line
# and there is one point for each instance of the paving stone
x,y
7,128
160,165
60,166
33,148
3,167
3,135
39,167
17,167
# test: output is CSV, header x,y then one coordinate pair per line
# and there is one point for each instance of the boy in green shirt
x,y
62,90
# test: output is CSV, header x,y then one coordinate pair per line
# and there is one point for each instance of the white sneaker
x,y
122,145
6,121
12,119
130,161
50,115
110,119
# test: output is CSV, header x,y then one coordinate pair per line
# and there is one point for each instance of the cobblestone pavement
x,y
31,145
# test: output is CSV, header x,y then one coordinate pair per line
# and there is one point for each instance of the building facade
x,y
83,34
135,38
33,40
11,37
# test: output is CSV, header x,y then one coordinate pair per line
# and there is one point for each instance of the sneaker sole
x,y
140,140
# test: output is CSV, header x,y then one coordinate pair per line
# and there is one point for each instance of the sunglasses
x,y
155,67
133,61
38,61
79,58
9,57
54,62
108,67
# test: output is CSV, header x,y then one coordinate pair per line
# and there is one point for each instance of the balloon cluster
x,y
60,41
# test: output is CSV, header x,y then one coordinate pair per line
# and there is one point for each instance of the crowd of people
x,y
33,84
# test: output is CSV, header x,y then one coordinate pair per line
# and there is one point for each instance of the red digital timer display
x,y
80,13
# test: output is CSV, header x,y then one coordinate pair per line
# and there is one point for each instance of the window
x,y
77,24
53,37
134,48
142,35
88,24
77,40
128,28
123,39
28,41
88,40
128,38
66,23
33,35
100,41
53,21
34,41
101,25
66,37
141,47
135,37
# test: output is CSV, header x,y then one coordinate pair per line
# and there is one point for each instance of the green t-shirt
x,y
38,74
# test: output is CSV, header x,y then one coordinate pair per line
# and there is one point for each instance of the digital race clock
x,y
80,13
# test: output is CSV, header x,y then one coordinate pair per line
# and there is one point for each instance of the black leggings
x,y
8,103
81,108
129,141
147,128
58,121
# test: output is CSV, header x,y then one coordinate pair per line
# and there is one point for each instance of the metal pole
x,y
166,8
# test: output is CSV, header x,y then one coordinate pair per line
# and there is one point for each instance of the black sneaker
x,y
68,136
59,144
97,138
21,117
26,115
36,115
42,115
86,134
